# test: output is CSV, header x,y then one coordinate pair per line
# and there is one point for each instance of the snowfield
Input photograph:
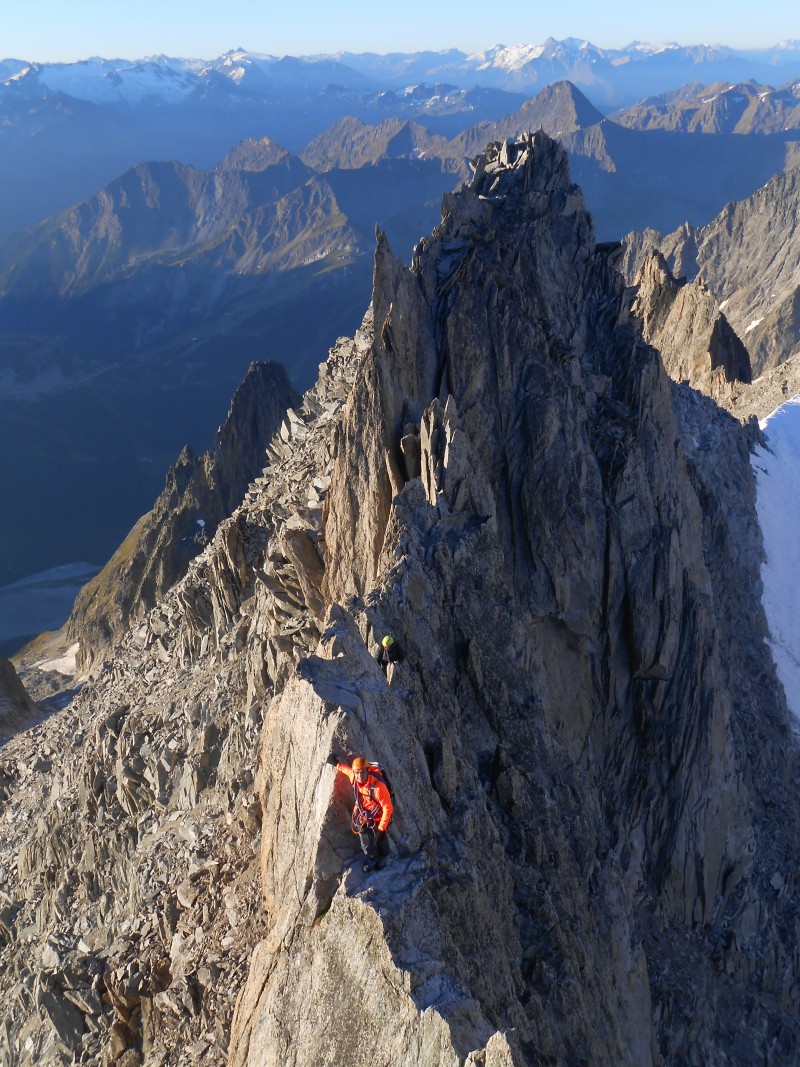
x,y
777,470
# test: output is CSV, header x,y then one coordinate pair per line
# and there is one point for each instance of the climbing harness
x,y
367,815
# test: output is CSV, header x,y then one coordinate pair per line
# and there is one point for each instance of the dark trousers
x,y
373,845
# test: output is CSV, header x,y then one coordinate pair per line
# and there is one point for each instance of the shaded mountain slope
x,y
596,838
100,438
155,212
352,143
17,710
200,492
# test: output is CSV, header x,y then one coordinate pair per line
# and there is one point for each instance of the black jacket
x,y
392,654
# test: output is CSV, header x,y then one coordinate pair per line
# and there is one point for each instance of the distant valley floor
x,y
39,602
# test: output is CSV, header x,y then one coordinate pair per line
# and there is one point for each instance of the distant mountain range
x,y
718,108
90,121
615,76
68,130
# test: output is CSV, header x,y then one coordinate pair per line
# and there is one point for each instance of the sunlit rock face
x,y
595,842
684,322
748,258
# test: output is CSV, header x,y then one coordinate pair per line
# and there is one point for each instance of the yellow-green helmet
x,y
388,641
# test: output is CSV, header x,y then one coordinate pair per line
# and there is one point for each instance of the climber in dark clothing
x,y
389,652
372,810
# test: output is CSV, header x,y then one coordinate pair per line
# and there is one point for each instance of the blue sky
x,y
49,30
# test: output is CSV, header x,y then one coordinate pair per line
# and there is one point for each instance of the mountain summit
x,y
559,109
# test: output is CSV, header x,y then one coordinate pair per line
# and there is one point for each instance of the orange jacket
x,y
375,798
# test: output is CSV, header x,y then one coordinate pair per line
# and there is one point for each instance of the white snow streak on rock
x,y
777,471
64,665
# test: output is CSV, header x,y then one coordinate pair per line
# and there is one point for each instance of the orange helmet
x,y
360,763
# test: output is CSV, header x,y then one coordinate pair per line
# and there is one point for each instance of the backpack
x,y
378,772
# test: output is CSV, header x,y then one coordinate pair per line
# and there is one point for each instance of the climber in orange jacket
x,y
372,808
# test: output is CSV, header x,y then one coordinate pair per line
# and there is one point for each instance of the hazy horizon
x,y
45,31
209,57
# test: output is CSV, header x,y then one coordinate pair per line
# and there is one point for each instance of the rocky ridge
x,y
768,392
352,143
744,108
747,257
698,345
200,492
595,850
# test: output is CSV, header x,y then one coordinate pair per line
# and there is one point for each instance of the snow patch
x,y
777,471
509,59
65,665
16,77
655,49
753,324
104,81
724,304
